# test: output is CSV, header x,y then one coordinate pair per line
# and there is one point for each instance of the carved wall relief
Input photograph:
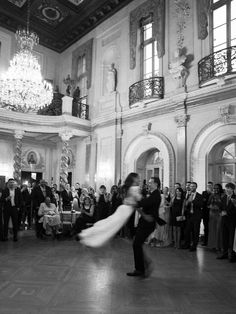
x,y
203,9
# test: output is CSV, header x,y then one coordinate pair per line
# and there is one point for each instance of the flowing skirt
x,y
105,229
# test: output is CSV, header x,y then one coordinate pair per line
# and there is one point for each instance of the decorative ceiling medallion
x,y
50,11
18,3
76,2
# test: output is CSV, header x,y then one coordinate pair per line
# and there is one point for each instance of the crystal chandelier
x,y
22,87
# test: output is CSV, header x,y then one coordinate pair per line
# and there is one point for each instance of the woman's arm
x,y
91,211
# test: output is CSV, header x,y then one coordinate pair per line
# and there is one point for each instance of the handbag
x,y
180,218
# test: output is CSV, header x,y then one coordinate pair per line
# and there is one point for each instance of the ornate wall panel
x,y
203,9
84,50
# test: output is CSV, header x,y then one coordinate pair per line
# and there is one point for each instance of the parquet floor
x,y
64,277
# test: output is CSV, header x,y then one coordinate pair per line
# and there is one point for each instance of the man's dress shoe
x,y
135,273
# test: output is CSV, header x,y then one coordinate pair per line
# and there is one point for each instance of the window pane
x,y
233,9
156,66
233,42
84,64
148,51
147,31
233,30
147,75
217,48
147,66
219,35
219,16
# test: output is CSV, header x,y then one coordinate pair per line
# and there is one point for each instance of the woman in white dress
x,y
105,229
49,216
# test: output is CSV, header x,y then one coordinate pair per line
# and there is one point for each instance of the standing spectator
x,y
115,199
228,222
11,200
215,207
26,192
193,213
205,211
102,203
66,197
187,190
78,189
176,215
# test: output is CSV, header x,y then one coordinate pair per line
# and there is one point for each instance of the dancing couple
x,y
148,208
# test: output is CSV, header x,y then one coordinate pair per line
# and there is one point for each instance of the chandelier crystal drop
x,y
22,87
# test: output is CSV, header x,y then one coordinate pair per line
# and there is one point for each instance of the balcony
x,y
145,90
221,63
80,108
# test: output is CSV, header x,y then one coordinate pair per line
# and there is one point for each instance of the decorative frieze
x,y
203,10
224,113
65,136
181,120
182,10
157,9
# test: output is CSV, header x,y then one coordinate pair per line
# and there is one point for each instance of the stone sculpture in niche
x,y
32,158
69,84
111,84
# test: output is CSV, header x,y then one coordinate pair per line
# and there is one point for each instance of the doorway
x,y
30,177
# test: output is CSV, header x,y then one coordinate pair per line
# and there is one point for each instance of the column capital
x,y
19,134
65,135
181,120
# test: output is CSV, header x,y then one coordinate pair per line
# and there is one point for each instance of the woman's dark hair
x,y
87,198
129,182
182,192
219,186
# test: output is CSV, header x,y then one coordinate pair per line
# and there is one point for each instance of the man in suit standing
x,y
148,209
26,192
205,210
11,200
228,223
193,213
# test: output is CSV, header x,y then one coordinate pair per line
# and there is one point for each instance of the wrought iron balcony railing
x,y
219,63
80,108
152,87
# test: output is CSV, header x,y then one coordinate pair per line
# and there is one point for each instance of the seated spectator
x,y
49,216
86,216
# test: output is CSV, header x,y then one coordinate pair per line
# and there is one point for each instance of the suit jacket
x,y
38,197
17,199
196,205
150,206
27,197
230,208
66,198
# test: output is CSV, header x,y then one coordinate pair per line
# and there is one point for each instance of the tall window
x,y
150,60
223,20
82,76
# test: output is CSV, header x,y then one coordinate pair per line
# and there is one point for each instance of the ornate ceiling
x,y
59,23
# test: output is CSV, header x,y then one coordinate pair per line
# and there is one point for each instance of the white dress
x,y
105,229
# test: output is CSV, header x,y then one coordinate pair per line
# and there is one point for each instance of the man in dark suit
x,y
228,223
11,201
39,193
205,210
193,213
66,197
148,209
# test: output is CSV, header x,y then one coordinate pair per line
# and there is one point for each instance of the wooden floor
x,y
64,277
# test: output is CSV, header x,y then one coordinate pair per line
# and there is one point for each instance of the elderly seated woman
x,y
49,217
86,217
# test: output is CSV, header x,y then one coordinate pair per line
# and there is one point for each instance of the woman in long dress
x,y
105,229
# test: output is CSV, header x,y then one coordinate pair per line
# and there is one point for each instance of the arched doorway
x,y
222,162
150,164
210,141
142,156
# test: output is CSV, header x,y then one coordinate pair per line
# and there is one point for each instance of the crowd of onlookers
x,y
42,206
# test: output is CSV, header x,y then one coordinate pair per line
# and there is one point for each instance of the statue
x,y
70,83
111,84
